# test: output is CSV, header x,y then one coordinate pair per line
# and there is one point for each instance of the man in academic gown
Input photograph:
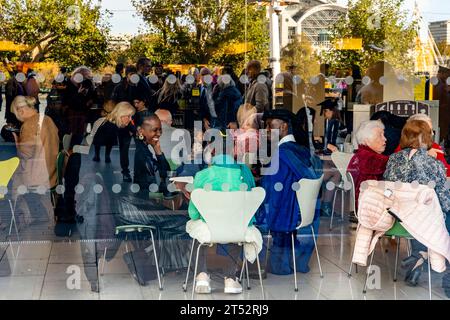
x,y
280,211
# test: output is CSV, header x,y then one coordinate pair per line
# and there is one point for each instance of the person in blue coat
x,y
280,213
227,100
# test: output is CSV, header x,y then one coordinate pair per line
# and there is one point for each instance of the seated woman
x,y
413,163
368,163
333,124
150,173
331,173
306,118
393,126
106,129
37,148
246,137
150,163
223,170
435,151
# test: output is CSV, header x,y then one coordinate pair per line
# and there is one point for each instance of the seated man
x,y
223,170
175,149
281,209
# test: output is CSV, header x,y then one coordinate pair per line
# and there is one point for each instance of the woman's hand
x,y
434,152
332,148
206,124
182,187
157,148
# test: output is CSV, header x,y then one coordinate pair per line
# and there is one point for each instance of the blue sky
x,y
124,21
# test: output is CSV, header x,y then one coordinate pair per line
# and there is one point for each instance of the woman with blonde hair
x,y
106,129
37,148
169,94
246,137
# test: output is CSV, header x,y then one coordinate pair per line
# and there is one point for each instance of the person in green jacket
x,y
224,174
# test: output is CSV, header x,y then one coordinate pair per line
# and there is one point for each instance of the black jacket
x,y
145,167
144,90
331,132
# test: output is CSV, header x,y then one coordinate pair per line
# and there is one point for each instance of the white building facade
x,y
314,18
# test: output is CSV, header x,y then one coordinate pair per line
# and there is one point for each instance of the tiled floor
x,y
40,271
43,266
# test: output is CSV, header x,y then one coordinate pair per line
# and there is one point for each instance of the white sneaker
x,y
232,286
202,283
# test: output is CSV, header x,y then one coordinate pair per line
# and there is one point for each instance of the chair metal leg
x,y
351,263
189,267
248,278
156,260
429,274
195,269
269,236
317,251
332,210
126,242
13,218
104,262
368,271
397,253
259,271
243,265
349,274
294,263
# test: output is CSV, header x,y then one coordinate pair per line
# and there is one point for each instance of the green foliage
x,y
54,33
201,31
144,45
300,53
381,24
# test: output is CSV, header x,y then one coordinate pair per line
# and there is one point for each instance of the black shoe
x,y
79,219
352,218
412,277
107,159
94,287
96,159
63,229
127,177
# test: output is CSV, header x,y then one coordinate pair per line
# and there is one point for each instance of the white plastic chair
x,y
341,161
307,196
227,215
